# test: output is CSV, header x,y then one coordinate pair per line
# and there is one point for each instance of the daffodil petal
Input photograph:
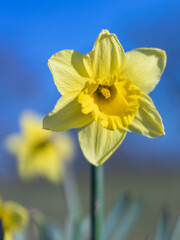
x,y
45,163
12,143
98,143
66,115
31,124
107,57
8,235
68,70
144,66
147,121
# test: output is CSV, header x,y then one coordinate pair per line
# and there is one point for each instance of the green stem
x,y
96,202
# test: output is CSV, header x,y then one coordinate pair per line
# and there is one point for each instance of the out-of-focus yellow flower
x,y
105,94
14,217
39,152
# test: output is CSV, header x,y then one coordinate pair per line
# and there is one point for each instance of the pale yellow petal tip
x,y
162,130
163,52
51,60
44,123
164,57
105,31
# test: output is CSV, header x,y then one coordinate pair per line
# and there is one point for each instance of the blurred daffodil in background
x,y
39,153
14,218
105,95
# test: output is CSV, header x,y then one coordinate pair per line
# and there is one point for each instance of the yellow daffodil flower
x,y
105,95
39,152
14,217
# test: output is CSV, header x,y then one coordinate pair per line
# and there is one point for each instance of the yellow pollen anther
x,y
105,92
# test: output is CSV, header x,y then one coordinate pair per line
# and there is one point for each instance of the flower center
x,y
114,103
104,91
39,146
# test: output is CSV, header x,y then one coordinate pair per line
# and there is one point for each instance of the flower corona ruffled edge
x,y
122,111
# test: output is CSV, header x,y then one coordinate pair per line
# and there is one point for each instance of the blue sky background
x,y
31,31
